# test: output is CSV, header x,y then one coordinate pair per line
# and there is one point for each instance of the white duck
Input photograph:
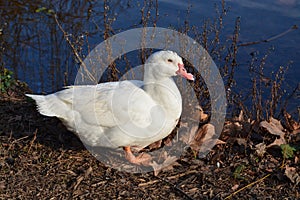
x,y
126,113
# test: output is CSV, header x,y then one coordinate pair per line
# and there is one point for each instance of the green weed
x,y
6,80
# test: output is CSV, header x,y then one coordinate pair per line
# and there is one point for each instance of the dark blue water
x,y
34,47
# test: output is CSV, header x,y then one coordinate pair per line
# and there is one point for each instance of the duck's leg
x,y
143,158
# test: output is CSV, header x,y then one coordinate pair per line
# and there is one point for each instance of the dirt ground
x,y
40,159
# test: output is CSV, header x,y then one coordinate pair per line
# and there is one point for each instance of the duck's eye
x,y
170,60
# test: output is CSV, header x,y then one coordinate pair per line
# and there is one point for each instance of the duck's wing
x,y
112,104
108,104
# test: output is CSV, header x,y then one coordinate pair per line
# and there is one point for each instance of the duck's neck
x,y
165,93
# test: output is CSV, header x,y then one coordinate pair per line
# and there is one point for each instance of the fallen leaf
x,y
277,123
200,115
232,128
291,123
274,127
168,141
202,139
205,133
205,139
260,149
167,165
189,136
155,145
292,174
277,142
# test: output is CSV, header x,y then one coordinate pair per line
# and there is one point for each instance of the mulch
x,y
40,159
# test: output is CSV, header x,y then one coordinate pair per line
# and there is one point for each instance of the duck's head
x,y
166,64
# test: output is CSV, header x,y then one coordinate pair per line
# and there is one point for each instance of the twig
x,y
293,93
181,175
12,98
249,185
32,141
169,178
177,188
98,184
15,141
294,27
66,36
80,178
148,183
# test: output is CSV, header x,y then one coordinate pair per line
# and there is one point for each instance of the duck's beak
x,y
182,72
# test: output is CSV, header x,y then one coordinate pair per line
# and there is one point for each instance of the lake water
x,y
33,46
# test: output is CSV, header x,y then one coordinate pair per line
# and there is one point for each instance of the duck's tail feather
x,y
49,105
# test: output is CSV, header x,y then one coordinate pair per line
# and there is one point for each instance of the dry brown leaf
x,y
260,149
205,139
167,165
277,142
255,126
232,128
205,133
189,136
155,145
201,139
199,115
274,127
292,174
291,123
168,141
277,123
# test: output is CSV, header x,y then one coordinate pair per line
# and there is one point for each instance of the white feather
x,y
117,114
